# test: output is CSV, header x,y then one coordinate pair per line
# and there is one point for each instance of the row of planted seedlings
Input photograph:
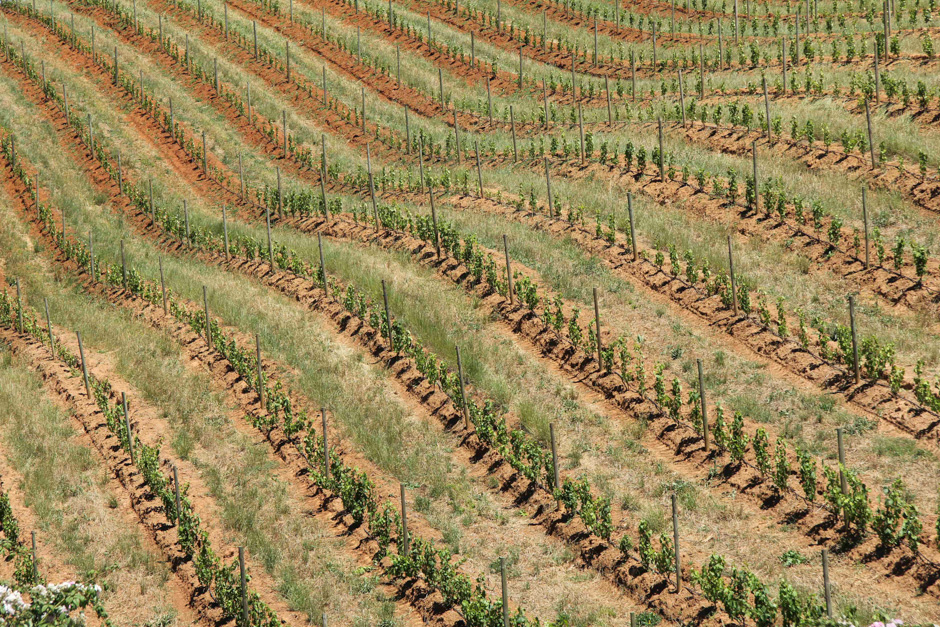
x,y
556,84
523,121
864,91
743,114
490,425
416,556
578,496
575,495
479,110
392,67
775,202
877,355
849,140
730,51
223,580
753,27
345,50
205,73
772,24
420,34
876,352
902,257
896,522
47,601
774,197
238,33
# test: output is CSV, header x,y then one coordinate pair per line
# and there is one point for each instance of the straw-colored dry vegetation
x,y
355,312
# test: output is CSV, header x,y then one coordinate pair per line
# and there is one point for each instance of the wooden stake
x,y
489,100
81,354
123,267
734,291
704,410
456,136
505,590
655,61
326,446
636,253
375,210
701,71
176,490
280,193
595,41
284,128
512,300
326,285
91,256
871,142
35,558
555,474
597,328
244,584
267,221
404,523
854,338
675,539
581,132
388,315
162,284
260,385
865,221
476,145
421,161
225,232
610,114
548,185
512,122
756,184
682,98
841,450
661,159
826,590
463,393
205,303
437,236
407,133
127,426
545,102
